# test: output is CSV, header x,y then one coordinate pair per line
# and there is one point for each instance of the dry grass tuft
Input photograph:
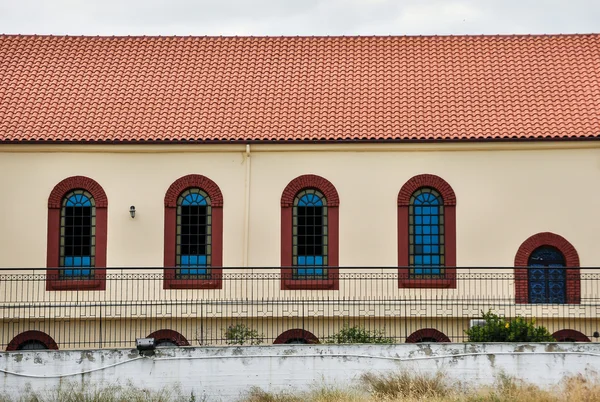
x,y
407,387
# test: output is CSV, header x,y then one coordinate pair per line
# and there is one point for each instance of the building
x,y
290,186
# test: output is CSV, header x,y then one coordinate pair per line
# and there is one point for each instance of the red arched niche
x,y
287,202
53,281
427,333
449,198
293,334
170,237
27,336
169,335
571,259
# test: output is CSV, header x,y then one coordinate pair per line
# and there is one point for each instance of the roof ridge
x,y
300,36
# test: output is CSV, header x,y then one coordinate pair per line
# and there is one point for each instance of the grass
x,y
406,387
71,391
397,387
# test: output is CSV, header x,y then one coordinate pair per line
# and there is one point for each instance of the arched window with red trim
x,y
193,234
547,271
310,234
32,340
77,235
427,335
168,337
426,233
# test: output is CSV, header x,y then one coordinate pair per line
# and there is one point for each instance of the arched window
x,y
193,234
309,226
309,234
296,337
77,235
570,335
77,228
32,340
427,233
168,337
426,335
547,271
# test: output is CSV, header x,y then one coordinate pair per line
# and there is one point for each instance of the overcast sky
x,y
298,17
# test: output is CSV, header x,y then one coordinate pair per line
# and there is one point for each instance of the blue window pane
x,y
435,259
427,249
434,230
427,229
305,260
191,265
418,259
78,200
435,249
194,199
427,219
418,239
418,271
434,220
419,230
426,239
427,259
418,219
418,210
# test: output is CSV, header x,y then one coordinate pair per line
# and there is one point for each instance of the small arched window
x,y
426,234
77,235
194,234
310,245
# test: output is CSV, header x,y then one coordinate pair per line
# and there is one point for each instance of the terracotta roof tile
x,y
289,89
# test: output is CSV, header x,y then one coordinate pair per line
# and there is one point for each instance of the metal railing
x,y
260,306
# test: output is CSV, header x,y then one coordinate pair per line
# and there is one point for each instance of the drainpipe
x,y
247,208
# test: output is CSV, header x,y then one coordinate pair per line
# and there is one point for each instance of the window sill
x,y
77,284
309,284
427,283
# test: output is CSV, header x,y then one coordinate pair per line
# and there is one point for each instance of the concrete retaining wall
x,y
224,373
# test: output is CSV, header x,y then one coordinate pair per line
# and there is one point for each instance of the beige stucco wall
x,y
505,193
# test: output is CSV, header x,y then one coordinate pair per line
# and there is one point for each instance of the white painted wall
x,y
224,373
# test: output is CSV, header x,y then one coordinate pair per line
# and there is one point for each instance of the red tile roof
x,y
290,89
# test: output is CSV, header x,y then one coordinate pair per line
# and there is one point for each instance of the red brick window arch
x,y
426,233
296,336
168,337
531,274
193,250
427,335
570,335
77,235
310,234
32,340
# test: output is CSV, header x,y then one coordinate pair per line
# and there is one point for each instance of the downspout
x,y
247,208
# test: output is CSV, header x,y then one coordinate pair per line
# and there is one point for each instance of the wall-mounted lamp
x,y
132,211
596,334
145,346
